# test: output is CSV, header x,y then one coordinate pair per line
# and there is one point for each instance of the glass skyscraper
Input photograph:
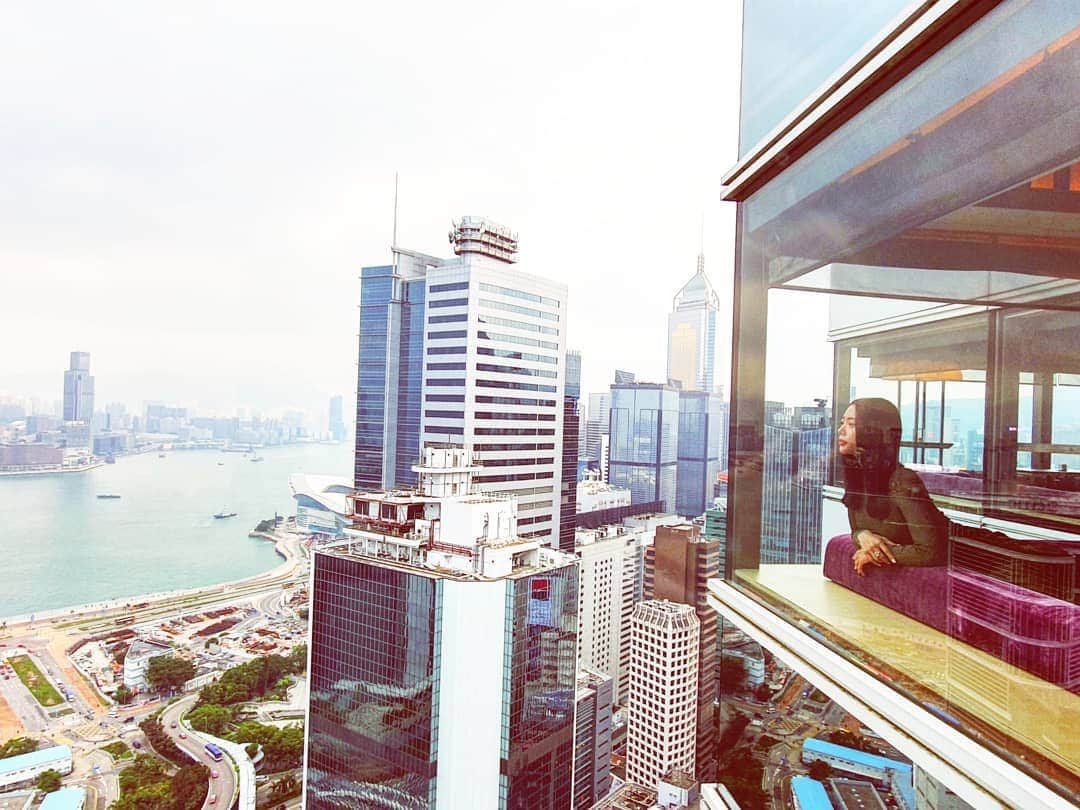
x,y
691,358
644,441
701,450
390,371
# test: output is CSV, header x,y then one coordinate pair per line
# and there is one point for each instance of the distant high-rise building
x,y
596,424
602,573
570,443
337,419
476,356
592,738
796,467
644,441
663,691
443,653
691,356
667,444
78,389
678,567
702,451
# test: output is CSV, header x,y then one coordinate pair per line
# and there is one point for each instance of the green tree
x,y
189,787
48,781
169,673
211,718
144,771
123,695
732,675
820,770
17,746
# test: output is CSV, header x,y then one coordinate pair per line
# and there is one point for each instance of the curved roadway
x,y
224,786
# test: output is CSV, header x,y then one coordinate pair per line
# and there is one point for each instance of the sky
x,y
189,193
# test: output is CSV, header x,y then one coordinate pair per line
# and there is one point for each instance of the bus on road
x,y
214,752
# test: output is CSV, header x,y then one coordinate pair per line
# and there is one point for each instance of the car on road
x,y
136,744
172,724
214,774
183,736
213,799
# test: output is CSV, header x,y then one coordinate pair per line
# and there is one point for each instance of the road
x,y
224,786
22,703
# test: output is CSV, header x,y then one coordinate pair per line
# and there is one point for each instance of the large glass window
x,y
790,49
905,478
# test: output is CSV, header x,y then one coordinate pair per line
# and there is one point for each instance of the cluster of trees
x,y
254,680
16,746
218,708
162,743
283,748
167,673
146,785
744,781
48,781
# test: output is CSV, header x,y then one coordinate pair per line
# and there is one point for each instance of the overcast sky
x,y
189,193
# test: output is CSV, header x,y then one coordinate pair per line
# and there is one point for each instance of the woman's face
x,y
845,434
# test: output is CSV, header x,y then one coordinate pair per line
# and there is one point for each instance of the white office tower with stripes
x,y
662,729
494,368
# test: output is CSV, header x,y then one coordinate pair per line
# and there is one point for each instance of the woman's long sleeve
x,y
925,522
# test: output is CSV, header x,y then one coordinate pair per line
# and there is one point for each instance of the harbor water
x,y
62,546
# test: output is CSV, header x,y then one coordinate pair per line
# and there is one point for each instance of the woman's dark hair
x,y
877,454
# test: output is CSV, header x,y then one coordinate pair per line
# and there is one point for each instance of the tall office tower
x,y
701,450
442,654
596,423
337,420
78,389
633,591
592,738
499,386
796,468
678,567
691,358
644,441
467,350
571,430
602,574
663,691
390,370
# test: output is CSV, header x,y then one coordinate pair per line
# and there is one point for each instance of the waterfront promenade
x,y
53,633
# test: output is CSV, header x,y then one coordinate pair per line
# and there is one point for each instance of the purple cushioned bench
x,y
1030,630
918,592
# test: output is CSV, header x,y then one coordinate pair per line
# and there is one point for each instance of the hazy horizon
x,y
189,194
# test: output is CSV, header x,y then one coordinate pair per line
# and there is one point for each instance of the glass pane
x,y
923,266
789,49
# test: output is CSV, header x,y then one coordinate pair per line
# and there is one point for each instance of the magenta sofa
x,y
1031,630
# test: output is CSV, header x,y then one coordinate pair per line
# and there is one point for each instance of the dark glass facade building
x,y
644,431
570,447
389,376
406,680
702,450
374,688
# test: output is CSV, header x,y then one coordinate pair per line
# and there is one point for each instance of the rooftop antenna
x,y
701,251
393,245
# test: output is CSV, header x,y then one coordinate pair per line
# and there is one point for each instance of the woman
x,y
893,521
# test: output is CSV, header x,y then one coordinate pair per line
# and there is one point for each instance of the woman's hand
x,y
878,547
873,550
